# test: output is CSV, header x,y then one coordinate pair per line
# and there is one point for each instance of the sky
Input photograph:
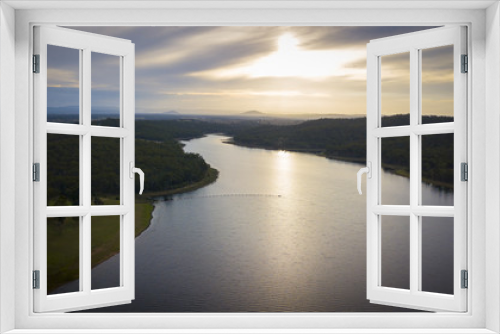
x,y
231,70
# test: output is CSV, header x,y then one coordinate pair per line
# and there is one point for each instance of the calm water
x,y
278,231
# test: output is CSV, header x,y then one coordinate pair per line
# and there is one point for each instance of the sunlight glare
x,y
287,44
290,60
283,162
282,154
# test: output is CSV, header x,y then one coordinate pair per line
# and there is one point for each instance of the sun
x,y
287,43
289,59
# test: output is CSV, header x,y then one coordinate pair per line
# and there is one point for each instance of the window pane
x,y
437,254
437,169
437,84
396,171
63,84
395,251
105,247
105,89
63,254
105,171
63,170
395,89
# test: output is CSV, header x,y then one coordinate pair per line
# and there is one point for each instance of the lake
x,y
278,231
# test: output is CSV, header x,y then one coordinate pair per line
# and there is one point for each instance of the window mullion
x,y
85,166
81,232
396,131
419,131
414,171
86,120
85,247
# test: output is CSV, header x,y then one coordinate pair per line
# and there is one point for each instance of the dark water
x,y
278,231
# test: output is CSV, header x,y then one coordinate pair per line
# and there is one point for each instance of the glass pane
x,y
63,255
437,254
437,84
105,168
437,169
395,176
395,252
395,89
105,89
63,170
105,247
63,84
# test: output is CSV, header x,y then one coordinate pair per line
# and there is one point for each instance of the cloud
x,y
57,77
105,72
233,69
437,65
289,60
345,37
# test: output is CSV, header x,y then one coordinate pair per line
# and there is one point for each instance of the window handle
x,y
141,176
368,171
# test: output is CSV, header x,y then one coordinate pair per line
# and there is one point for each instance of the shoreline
x,y
143,217
144,208
210,177
398,170
109,246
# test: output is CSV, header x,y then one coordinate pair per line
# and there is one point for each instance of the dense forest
x,y
346,139
158,154
167,166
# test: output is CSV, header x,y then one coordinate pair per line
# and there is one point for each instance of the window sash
x,y
412,43
86,297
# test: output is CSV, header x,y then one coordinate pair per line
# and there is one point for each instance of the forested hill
x,y
157,152
346,139
168,167
162,158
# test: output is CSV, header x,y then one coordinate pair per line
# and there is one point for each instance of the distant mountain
x,y
170,112
252,113
298,116
318,116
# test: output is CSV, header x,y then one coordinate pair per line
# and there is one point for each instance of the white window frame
x,y
85,44
413,44
483,315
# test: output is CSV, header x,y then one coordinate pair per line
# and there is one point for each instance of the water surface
x,y
278,231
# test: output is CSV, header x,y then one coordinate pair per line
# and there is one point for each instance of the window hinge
x,y
36,63
36,279
464,167
36,172
465,279
465,64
